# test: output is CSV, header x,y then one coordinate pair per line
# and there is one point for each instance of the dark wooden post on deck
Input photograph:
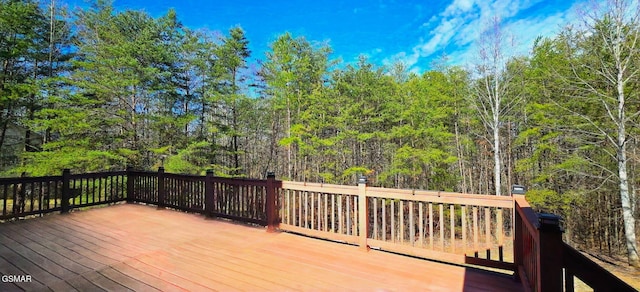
x,y
550,253
209,194
130,180
161,191
66,191
272,214
518,260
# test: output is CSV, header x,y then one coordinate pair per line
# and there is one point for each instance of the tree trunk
x,y
625,198
496,155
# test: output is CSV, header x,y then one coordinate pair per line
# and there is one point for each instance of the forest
x,y
97,89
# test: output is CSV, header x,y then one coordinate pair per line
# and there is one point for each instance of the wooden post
x,y
518,241
550,274
208,193
516,230
66,191
161,191
272,219
130,180
363,219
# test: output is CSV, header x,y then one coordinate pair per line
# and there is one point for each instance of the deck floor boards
x,y
140,248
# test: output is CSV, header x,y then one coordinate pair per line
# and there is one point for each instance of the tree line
x,y
103,89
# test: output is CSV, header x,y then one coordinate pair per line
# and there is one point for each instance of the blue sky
x,y
414,32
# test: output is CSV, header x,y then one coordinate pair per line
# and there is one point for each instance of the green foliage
x,y
78,159
189,160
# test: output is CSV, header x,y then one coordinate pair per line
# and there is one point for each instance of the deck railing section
x,y
321,210
460,228
239,199
527,244
545,263
184,192
91,189
28,196
232,198
599,279
142,187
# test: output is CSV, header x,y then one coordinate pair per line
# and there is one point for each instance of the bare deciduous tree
x,y
609,41
492,95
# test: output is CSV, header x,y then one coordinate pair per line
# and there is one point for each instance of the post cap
x,y
271,174
362,179
547,221
209,171
518,190
161,169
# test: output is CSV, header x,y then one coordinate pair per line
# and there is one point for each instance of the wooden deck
x,y
136,247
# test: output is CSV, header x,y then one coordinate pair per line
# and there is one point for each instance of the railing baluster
x,y
300,208
356,217
333,213
306,210
40,196
348,215
375,218
319,211
441,225
384,219
421,218
412,227
464,228
487,230
393,222
93,190
401,216
452,216
431,226
340,219
5,199
475,231
79,190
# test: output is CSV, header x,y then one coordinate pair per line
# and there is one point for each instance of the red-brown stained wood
x,y
141,248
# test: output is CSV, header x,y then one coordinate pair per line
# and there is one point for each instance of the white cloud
x,y
460,24
457,7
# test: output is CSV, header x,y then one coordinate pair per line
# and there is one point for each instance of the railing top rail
x,y
97,174
594,275
240,181
441,197
142,172
529,217
184,176
17,180
320,188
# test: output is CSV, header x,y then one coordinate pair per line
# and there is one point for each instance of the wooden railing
x,y
453,227
237,199
490,231
599,279
28,196
545,263
320,210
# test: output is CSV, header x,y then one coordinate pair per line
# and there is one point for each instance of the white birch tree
x,y
608,45
492,94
